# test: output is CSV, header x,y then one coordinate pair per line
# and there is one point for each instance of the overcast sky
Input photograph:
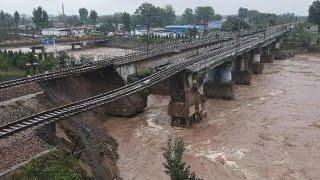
x,y
224,7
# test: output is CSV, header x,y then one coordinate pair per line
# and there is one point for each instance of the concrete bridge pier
x,y
278,44
219,83
257,65
241,73
268,54
186,105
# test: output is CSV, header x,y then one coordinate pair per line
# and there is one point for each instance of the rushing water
x,y
271,130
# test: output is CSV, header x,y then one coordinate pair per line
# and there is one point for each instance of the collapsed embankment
x,y
84,135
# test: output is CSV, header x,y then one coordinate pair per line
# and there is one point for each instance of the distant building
x,y
48,41
140,32
160,32
61,32
78,31
57,32
181,30
215,25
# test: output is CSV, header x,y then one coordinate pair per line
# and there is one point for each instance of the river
x,y
271,130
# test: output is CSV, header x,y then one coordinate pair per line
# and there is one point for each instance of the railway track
x,y
166,48
218,53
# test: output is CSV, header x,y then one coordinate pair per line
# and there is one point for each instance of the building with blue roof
x,y
180,30
215,25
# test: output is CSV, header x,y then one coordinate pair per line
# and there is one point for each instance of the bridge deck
x,y
213,56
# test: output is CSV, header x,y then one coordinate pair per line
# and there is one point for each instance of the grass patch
x,y
145,72
144,94
56,165
8,75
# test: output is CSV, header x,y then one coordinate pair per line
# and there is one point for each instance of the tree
x,y
83,13
204,14
62,59
174,166
188,17
217,17
232,24
40,18
169,15
150,15
93,16
146,13
126,20
243,13
314,13
16,18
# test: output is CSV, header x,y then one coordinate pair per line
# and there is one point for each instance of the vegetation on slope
x,y
55,165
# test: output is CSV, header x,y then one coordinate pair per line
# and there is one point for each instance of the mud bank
x,y
84,135
270,131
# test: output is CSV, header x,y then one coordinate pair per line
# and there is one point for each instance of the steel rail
x,y
102,99
164,49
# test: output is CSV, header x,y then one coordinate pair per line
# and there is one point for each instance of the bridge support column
x,y
268,55
219,83
278,44
186,105
257,65
241,73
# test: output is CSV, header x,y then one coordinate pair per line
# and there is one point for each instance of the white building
x,y
140,32
161,33
78,32
58,32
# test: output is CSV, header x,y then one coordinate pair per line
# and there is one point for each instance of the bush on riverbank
x,y
302,40
174,166
54,165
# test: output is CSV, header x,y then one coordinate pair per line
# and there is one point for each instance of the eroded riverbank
x,y
271,130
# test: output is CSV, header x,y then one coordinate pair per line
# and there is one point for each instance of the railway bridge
x,y
195,70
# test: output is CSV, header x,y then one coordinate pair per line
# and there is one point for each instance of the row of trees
x,y
9,25
314,14
253,19
201,15
84,18
17,61
145,15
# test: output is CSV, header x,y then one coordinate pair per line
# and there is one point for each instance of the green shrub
x,y
56,165
174,167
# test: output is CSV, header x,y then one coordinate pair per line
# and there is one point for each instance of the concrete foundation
x,y
184,114
242,77
219,90
219,84
257,67
186,106
267,58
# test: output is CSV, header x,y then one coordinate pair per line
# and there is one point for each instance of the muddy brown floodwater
x,y
271,130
